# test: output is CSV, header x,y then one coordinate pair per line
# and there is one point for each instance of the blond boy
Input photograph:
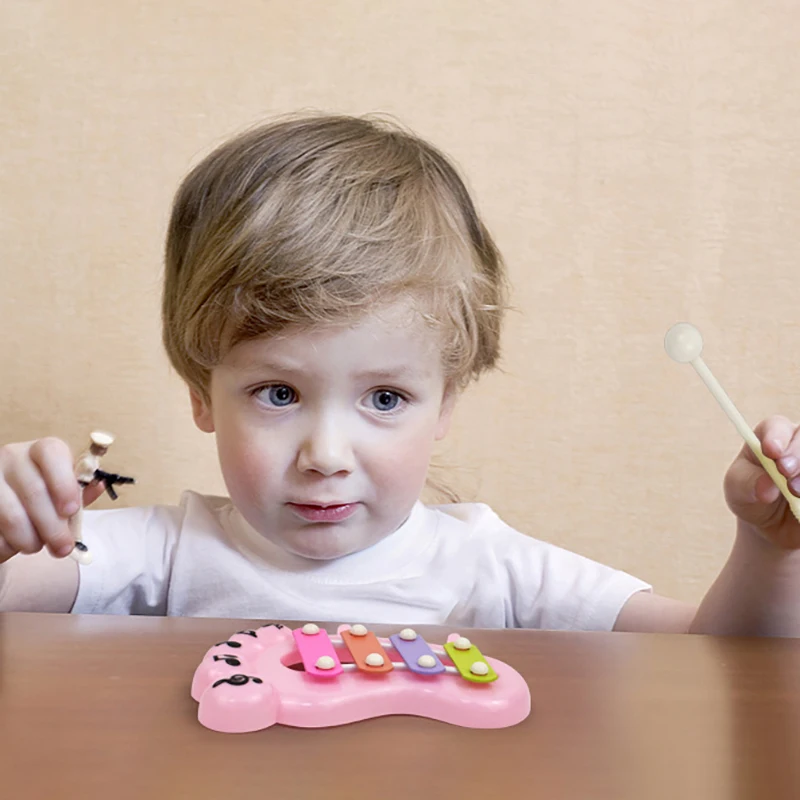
x,y
330,289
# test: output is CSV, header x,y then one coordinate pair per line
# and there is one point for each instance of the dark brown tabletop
x,y
94,706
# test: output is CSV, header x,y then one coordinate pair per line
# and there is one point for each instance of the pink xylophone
x,y
306,678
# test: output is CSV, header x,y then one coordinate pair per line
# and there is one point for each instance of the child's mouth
x,y
324,513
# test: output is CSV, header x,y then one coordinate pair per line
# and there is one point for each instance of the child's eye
x,y
385,400
278,395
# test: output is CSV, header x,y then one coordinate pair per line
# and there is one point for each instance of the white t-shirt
x,y
446,565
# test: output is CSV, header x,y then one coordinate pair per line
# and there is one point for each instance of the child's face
x,y
325,436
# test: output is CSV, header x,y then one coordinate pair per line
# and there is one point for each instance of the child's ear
x,y
201,411
446,411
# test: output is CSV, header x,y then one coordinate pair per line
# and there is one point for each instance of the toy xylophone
x,y
307,678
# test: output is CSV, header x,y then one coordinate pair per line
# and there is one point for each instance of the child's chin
x,y
325,550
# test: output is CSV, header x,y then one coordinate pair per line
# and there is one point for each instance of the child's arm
x,y
652,613
39,583
758,591
38,493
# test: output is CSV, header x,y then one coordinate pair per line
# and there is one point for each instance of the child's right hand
x,y
38,495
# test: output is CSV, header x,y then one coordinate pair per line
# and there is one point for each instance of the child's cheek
x,y
406,468
249,464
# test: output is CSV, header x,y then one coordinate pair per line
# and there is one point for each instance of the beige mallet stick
x,y
684,344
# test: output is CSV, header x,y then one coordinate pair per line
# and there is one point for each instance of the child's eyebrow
x,y
401,371
257,367
385,373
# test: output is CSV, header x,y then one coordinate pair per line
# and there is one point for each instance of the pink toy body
x,y
272,675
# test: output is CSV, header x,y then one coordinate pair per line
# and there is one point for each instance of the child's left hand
x,y
753,496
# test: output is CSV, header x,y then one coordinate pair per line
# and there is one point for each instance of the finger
x,y
781,442
789,462
6,551
92,492
766,490
16,527
752,495
61,552
776,434
48,526
53,459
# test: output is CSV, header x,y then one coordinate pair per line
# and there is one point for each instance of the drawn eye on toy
x,y
248,633
236,680
231,661
273,625
228,644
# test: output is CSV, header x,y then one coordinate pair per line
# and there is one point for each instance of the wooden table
x,y
96,707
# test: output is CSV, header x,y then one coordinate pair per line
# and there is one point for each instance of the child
x,y
329,291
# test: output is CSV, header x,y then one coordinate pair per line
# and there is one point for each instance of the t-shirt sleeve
x,y
572,592
535,584
132,554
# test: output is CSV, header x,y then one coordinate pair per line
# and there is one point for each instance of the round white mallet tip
x,y
683,343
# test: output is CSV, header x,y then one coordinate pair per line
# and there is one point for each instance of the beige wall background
x,y
638,162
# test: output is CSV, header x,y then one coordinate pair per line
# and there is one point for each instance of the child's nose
x,y
326,450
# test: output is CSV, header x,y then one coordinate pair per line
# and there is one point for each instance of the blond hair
x,y
318,219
